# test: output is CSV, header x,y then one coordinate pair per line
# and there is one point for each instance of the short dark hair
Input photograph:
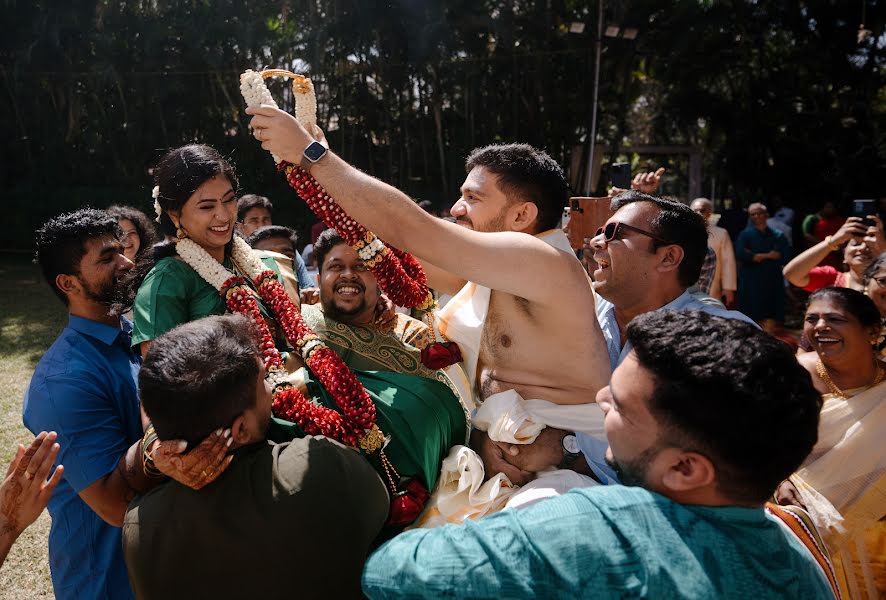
x,y
326,241
199,377
526,174
876,264
249,201
272,231
61,242
144,228
852,301
181,171
728,390
678,224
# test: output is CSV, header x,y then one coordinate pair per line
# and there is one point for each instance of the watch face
x,y
571,444
315,151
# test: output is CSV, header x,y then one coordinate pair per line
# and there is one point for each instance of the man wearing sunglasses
x,y
648,254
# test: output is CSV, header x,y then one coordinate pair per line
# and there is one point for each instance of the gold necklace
x,y
826,377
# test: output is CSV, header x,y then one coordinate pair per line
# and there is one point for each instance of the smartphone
x,y
620,175
863,209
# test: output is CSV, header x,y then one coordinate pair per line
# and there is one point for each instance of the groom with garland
x,y
528,326
421,407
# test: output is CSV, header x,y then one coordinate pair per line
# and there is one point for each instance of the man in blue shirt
x,y
705,432
85,389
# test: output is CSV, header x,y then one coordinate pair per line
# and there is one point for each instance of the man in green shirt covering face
x,y
294,518
702,433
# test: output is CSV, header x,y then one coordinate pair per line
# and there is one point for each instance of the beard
x,y
342,314
494,225
633,472
105,292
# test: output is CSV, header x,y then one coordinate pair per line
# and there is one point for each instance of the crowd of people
x,y
232,424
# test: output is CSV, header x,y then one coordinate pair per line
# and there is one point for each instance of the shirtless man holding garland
x,y
540,337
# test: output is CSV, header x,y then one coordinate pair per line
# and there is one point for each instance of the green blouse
x,y
173,293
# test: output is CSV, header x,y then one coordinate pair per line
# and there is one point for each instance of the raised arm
x,y
797,271
441,280
500,261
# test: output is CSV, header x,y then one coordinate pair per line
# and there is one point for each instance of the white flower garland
x,y
155,194
247,259
254,90
305,102
256,93
212,271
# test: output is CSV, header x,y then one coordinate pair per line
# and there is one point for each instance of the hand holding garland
x,y
484,258
398,273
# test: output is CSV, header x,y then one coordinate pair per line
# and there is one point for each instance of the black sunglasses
x,y
611,231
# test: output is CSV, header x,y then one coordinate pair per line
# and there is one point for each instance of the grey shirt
x,y
285,520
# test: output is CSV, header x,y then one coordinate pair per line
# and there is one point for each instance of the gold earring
x,y
180,231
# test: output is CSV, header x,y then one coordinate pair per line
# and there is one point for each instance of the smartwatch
x,y
571,451
314,152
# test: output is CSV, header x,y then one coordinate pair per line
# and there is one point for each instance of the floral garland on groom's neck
x,y
355,425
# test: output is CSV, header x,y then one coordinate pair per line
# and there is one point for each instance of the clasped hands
x,y
520,462
761,256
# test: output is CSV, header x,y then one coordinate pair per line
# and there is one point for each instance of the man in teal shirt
x,y
704,432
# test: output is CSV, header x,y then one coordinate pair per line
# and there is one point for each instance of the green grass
x,y
31,317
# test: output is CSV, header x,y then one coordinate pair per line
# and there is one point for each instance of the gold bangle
x,y
148,467
829,240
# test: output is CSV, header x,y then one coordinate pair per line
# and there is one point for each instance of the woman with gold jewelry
x,y
843,481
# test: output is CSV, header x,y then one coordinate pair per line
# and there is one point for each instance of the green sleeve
x,y
170,295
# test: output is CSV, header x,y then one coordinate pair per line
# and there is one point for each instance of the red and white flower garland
x,y
398,273
355,424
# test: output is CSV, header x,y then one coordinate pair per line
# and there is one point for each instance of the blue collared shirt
x,y
592,447
85,388
301,273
